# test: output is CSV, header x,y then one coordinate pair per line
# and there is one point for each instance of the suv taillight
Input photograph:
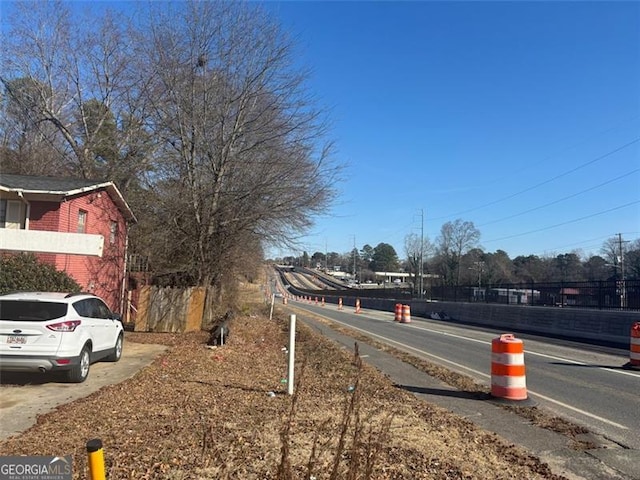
x,y
69,326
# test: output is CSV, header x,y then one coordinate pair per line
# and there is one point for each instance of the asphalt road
x,y
25,396
582,383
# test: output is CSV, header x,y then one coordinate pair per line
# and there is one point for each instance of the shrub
x,y
25,272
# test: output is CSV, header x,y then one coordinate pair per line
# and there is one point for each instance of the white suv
x,y
42,332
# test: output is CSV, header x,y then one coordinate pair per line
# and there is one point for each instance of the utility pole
x,y
354,258
421,266
326,266
623,288
479,267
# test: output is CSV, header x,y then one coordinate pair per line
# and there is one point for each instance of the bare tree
x,y
28,147
614,251
79,87
455,239
195,109
416,249
241,143
610,250
632,260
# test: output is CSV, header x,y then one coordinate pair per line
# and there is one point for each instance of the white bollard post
x,y
273,299
292,352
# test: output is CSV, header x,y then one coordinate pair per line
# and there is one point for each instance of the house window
x,y
82,221
113,232
11,214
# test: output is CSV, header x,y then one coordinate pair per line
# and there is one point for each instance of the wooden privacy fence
x,y
174,310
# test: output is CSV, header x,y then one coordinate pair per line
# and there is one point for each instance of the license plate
x,y
17,339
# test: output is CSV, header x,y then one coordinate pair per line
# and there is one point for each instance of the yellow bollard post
x,y
96,459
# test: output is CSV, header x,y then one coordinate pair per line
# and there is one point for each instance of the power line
x,y
560,199
588,249
575,220
587,139
564,174
591,245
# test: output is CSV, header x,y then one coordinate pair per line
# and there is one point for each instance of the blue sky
x,y
522,117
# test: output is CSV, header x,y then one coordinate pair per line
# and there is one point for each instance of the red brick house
x,y
79,226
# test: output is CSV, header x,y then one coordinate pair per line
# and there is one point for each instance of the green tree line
x,y
457,258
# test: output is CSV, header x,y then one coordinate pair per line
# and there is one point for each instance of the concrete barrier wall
x,y
580,324
610,326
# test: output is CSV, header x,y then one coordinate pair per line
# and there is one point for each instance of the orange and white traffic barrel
x,y
634,354
508,379
406,314
284,300
357,305
340,303
398,313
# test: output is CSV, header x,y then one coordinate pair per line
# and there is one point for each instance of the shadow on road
x,y
446,392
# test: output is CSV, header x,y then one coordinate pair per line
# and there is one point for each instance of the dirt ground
x,y
39,394
224,413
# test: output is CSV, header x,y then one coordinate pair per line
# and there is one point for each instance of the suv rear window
x,y
25,310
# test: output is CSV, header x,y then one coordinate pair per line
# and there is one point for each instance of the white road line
x,y
553,357
528,352
409,347
479,373
564,405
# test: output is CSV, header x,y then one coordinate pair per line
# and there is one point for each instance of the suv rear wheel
x,y
80,372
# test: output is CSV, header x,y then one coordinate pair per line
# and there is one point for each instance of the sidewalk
x,y
608,461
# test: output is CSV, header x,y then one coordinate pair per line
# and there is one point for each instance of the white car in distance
x,y
51,331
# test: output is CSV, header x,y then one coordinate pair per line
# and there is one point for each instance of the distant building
x,y
511,296
401,277
569,296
